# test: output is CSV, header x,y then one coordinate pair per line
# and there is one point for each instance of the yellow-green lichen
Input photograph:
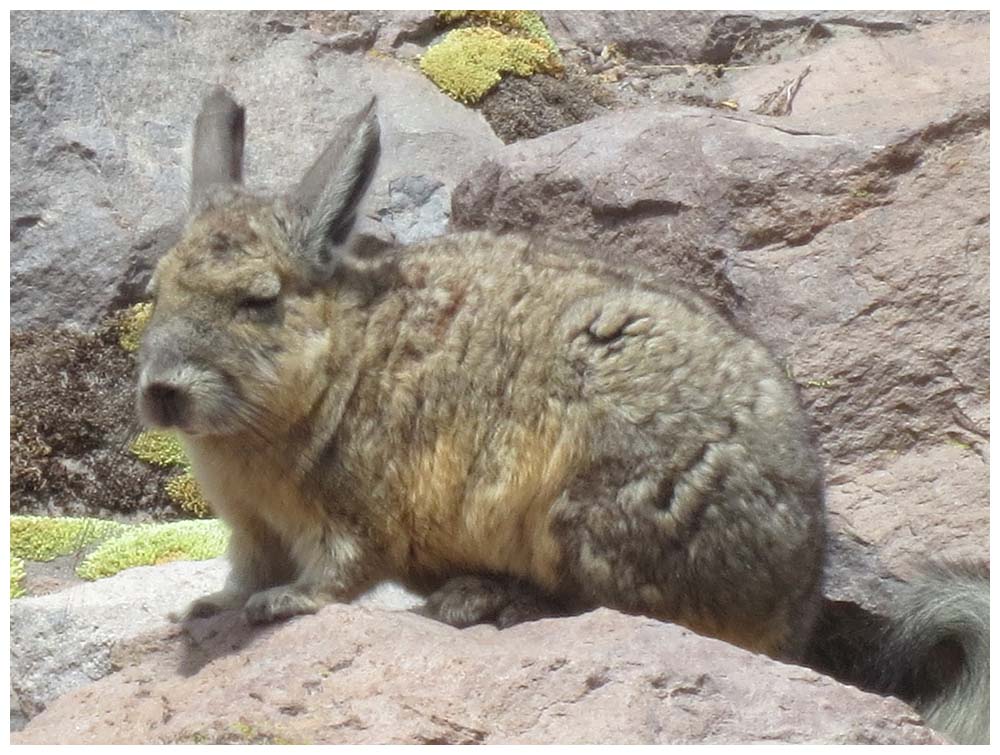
x,y
184,491
16,577
471,60
147,545
518,22
164,450
40,538
160,448
131,323
118,546
959,443
820,383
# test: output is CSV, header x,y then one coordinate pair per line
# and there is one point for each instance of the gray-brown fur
x,y
217,159
938,638
499,422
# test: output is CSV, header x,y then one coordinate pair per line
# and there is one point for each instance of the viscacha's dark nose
x,y
164,404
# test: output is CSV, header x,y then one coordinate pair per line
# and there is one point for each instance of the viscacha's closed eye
x,y
259,309
261,294
258,303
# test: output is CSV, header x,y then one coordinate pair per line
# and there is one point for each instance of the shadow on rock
x,y
206,640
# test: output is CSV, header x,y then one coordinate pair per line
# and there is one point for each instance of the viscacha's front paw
x,y
209,605
279,603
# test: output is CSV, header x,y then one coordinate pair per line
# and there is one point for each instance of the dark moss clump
x,y
523,108
71,421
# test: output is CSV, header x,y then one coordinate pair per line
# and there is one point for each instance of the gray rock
x,y
676,189
350,675
717,37
68,639
418,209
399,28
644,35
896,82
354,30
101,108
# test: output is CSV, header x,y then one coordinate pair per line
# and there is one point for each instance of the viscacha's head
x,y
231,300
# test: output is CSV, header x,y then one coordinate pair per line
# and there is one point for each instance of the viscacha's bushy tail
x,y
931,648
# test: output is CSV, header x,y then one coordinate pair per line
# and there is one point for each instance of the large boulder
x,y
352,675
718,37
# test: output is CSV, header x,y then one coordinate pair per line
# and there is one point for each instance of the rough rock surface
x,y
64,640
717,37
101,108
359,676
848,227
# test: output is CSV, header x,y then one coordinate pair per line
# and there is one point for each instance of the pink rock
x,y
352,675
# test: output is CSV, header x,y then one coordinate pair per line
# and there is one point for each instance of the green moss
x,y
184,491
16,577
39,538
519,22
160,448
449,17
147,545
130,325
164,450
470,61
118,546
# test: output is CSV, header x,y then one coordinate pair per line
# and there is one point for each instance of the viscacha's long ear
x,y
217,149
328,195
